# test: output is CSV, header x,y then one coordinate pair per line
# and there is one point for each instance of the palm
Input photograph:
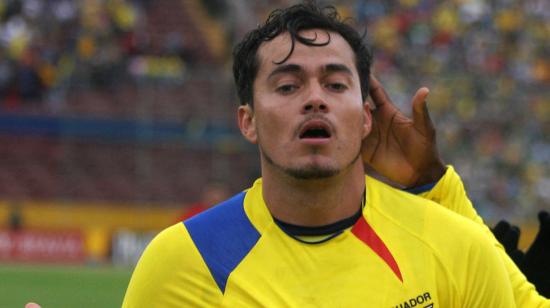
x,y
401,149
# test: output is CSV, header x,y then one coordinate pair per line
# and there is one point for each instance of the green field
x,y
62,286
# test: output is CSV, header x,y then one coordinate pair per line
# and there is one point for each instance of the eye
x,y
337,86
287,88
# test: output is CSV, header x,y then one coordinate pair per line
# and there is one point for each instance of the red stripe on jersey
x,y
363,231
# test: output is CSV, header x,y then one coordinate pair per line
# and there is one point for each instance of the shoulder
x,y
169,247
213,243
156,280
430,222
223,235
464,253
221,226
189,263
226,210
227,220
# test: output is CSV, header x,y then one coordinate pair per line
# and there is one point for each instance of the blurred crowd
x,y
486,62
49,47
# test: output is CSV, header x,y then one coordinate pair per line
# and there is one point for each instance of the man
x,y
314,231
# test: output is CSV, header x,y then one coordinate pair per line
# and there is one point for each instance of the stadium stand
x,y
57,143
147,70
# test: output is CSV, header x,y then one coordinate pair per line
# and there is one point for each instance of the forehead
x,y
336,51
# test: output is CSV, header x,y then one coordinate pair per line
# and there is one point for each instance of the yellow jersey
x,y
403,251
450,193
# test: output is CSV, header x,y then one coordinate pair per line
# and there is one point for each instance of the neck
x,y
314,202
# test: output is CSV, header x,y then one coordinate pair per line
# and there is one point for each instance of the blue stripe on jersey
x,y
420,189
224,236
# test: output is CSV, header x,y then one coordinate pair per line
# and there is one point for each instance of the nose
x,y
315,101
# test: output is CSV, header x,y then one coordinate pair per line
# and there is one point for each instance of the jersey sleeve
x,y
450,193
484,282
171,273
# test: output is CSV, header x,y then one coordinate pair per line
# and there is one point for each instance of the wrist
x,y
431,175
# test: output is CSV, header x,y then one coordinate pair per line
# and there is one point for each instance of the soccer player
x,y
314,230
411,145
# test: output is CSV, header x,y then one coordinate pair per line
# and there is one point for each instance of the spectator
x,y
212,194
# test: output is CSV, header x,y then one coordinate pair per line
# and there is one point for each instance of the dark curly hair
x,y
293,20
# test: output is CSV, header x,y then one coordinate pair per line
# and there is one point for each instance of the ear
x,y
367,124
247,123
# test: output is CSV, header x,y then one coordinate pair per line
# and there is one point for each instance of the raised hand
x,y
536,264
401,149
508,236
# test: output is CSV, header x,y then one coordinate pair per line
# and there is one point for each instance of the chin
x,y
305,169
312,172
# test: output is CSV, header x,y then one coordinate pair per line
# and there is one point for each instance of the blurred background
x,y
117,119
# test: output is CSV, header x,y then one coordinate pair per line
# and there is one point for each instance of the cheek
x,y
355,116
270,127
272,114
354,134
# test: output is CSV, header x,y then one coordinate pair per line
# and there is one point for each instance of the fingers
x,y
544,230
512,238
500,230
543,216
377,93
508,235
421,116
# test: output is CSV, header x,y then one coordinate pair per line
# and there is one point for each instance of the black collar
x,y
330,231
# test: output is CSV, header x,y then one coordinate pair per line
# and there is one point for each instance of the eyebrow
x,y
295,68
335,68
286,68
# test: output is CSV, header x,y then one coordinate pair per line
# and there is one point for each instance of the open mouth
x,y
315,130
